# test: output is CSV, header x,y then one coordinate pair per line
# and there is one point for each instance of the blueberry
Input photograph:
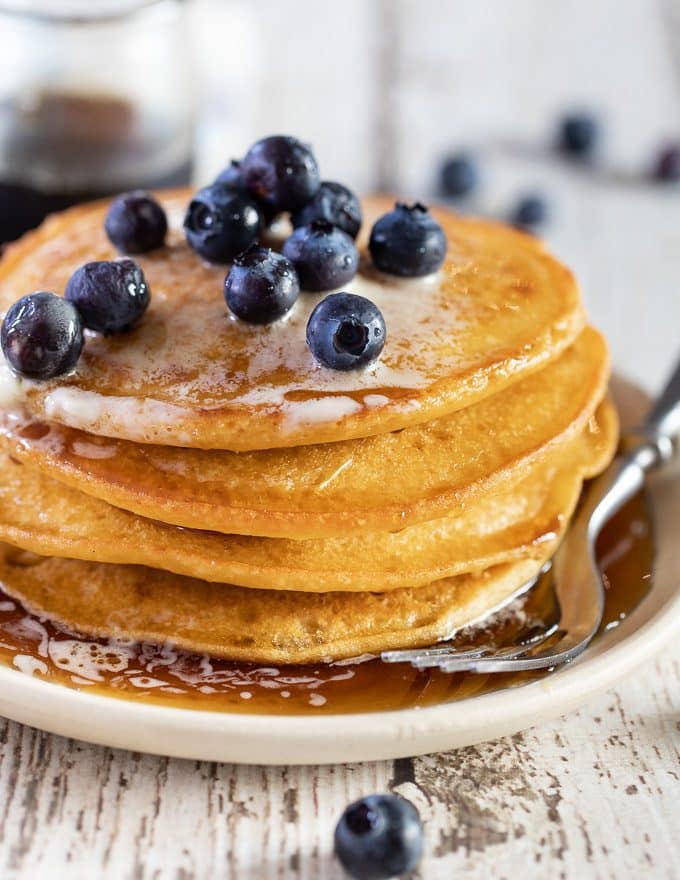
x,y
459,175
530,212
231,177
324,256
261,286
110,296
407,242
667,167
334,203
281,172
42,336
578,135
379,837
136,223
221,222
346,331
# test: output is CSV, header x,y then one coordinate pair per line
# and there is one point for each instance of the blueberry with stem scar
x,y
346,331
379,837
408,242
221,223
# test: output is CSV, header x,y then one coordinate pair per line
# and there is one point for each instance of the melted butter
x,y
162,675
12,389
277,371
189,357
87,409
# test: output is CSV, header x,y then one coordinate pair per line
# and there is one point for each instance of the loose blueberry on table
x,y
110,296
221,222
667,166
578,135
281,171
529,213
261,286
42,336
346,331
334,203
408,242
324,256
379,837
459,175
136,223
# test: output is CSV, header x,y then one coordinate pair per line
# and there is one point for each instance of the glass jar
x,y
95,98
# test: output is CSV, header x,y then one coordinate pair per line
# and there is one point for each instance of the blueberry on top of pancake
x,y
282,172
261,286
324,256
136,223
408,242
42,336
221,223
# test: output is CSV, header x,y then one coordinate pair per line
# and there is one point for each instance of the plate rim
x,y
331,738
304,739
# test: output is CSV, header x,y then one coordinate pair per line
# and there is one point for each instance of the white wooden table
x,y
387,87
591,795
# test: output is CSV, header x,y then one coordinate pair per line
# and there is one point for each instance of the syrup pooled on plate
x,y
163,676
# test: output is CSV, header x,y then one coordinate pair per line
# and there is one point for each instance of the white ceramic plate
x,y
267,739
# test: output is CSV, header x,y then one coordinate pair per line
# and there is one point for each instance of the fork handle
x,y
664,419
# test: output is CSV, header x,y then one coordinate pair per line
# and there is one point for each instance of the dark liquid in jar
x,y
97,137
160,675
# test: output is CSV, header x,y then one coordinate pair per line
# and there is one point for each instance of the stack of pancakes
x,y
204,482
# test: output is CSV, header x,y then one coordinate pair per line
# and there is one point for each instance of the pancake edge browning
x,y
255,626
55,520
153,493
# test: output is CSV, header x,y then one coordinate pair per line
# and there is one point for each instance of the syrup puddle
x,y
162,675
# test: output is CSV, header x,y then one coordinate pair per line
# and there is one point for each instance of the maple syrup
x,y
97,136
164,676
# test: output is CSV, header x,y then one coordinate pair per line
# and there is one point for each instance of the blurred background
x,y
102,95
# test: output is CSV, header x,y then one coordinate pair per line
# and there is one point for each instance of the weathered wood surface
x,y
594,794
383,89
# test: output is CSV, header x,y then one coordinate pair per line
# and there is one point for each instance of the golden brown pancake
x,y
41,515
191,375
377,483
262,626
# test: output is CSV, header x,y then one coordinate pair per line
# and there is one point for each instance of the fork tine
x,y
463,656
451,660
400,655
428,656
510,659
459,664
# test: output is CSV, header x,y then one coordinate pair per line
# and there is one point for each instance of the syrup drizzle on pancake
x,y
192,374
279,371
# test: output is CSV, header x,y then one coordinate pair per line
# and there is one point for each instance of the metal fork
x,y
578,581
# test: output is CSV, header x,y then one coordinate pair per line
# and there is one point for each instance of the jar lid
x,y
74,10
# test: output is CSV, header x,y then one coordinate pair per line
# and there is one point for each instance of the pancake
x,y
190,375
380,483
143,604
41,515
